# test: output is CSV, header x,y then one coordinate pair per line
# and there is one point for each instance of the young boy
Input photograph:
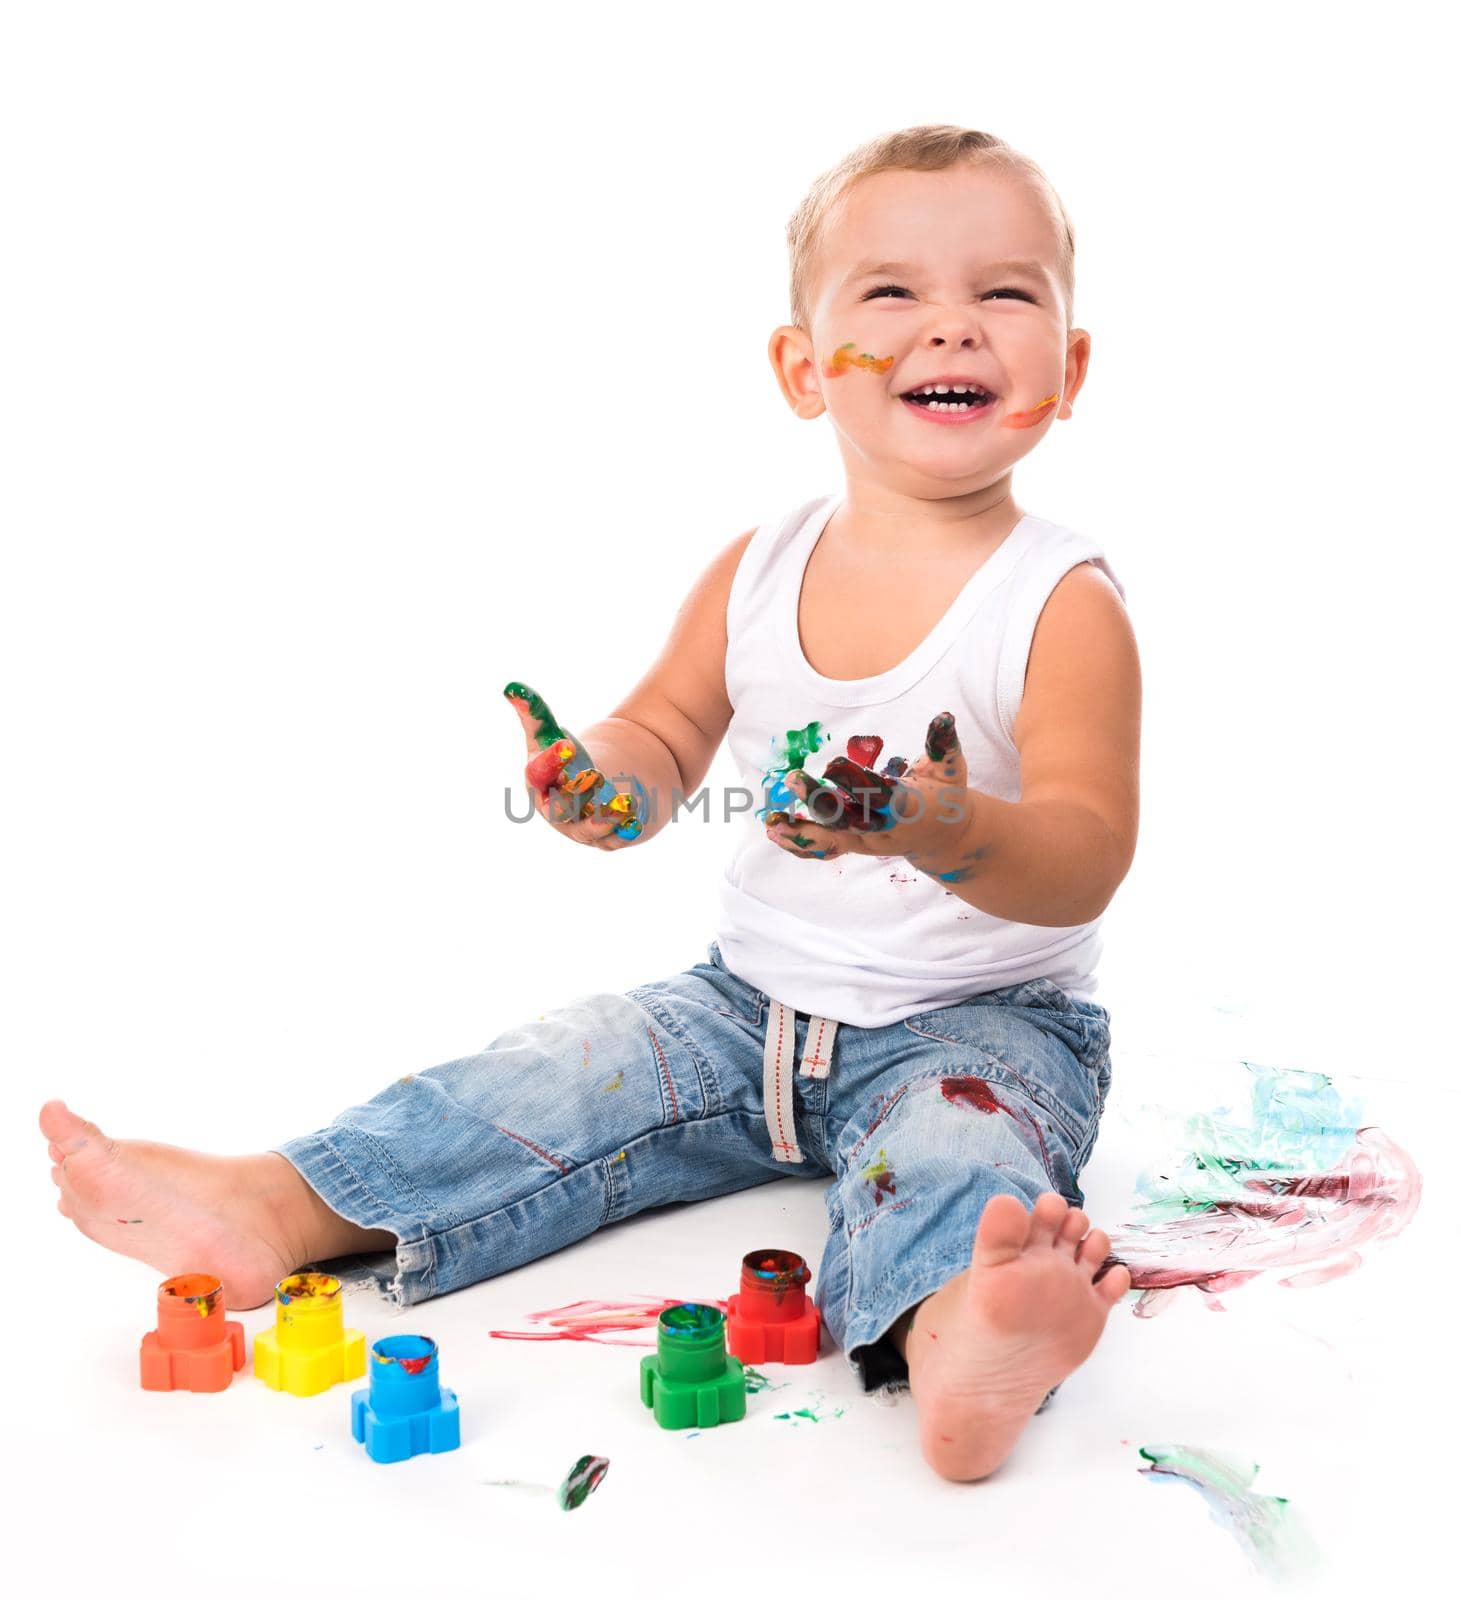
x,y
899,992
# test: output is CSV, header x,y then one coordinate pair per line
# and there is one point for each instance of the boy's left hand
x,y
923,813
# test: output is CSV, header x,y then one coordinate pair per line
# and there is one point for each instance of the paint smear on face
x,y
975,1094
1028,419
844,361
590,1321
1265,1525
882,1177
1300,1186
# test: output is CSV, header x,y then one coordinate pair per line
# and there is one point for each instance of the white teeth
x,y
977,396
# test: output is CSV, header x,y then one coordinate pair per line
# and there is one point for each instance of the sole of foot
x,y
177,1210
986,1348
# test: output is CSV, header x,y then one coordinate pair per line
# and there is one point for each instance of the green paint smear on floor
x,y
1265,1525
1297,1123
809,1413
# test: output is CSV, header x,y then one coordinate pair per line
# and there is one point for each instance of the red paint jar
x,y
771,1319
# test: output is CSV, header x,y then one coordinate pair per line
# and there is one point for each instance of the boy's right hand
x,y
568,791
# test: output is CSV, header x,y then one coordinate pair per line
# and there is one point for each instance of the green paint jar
x,y
690,1381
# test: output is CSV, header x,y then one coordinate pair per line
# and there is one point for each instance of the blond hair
x,y
930,147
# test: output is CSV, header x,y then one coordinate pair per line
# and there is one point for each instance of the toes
x,y
1046,1219
63,1127
56,1153
1093,1251
1115,1284
1072,1231
1003,1229
56,1177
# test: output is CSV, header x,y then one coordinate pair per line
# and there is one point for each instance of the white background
x,y
358,359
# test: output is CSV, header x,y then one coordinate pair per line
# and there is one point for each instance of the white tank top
x,y
868,940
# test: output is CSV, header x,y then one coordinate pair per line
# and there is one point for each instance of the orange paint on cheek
x,y
1028,419
843,361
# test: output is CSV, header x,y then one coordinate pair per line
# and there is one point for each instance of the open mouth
x,y
950,403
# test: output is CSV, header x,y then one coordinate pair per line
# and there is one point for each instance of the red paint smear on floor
x,y
587,1321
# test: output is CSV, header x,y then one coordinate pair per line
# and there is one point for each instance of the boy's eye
x,y
894,288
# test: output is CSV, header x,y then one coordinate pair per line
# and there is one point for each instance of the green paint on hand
x,y
548,729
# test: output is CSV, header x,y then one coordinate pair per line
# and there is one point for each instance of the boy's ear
x,y
1077,359
795,364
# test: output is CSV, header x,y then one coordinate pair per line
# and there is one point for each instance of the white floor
x,y
1340,1393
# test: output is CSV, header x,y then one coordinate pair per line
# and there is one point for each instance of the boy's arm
x,y
1056,856
666,730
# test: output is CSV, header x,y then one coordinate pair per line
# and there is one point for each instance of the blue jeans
x,y
613,1103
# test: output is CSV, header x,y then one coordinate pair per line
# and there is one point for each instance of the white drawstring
x,y
778,1065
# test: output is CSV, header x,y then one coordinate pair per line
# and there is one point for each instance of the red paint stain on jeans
x,y
978,1095
972,1092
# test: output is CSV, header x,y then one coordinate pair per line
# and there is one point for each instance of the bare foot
x,y
987,1347
249,1220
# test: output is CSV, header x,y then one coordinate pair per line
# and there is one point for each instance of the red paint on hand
x,y
545,768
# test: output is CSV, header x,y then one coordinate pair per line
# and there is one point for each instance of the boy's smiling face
x,y
925,276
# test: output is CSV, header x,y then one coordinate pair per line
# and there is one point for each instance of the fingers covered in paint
x,y
567,789
852,808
